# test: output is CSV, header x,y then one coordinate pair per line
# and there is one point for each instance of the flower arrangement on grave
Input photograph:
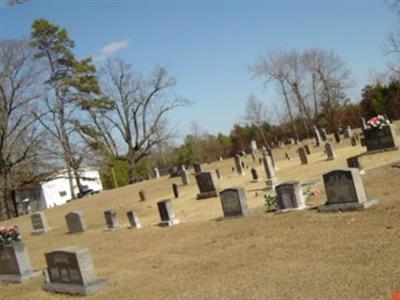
x,y
9,235
377,122
270,203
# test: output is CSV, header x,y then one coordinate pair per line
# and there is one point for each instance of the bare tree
x,y
21,137
138,117
256,113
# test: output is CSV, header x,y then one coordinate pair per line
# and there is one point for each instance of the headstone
x,y
287,156
254,175
206,183
337,136
329,151
197,168
269,172
39,223
355,162
142,195
317,136
281,144
290,196
218,174
133,219
353,141
307,148
347,132
363,124
15,265
221,158
345,191
243,166
111,219
175,190
253,146
234,202
156,173
75,222
185,177
182,168
324,135
166,213
381,139
70,270
303,155
238,165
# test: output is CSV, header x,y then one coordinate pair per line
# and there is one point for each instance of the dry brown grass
x,y
298,255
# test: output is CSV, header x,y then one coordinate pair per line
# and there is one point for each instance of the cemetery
x,y
184,241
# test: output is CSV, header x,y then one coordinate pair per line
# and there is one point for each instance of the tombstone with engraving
x,y
15,265
133,219
167,214
70,270
345,191
377,139
290,196
39,223
234,202
207,186
75,222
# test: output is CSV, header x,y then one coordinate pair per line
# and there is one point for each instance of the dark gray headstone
x,y
234,202
197,168
15,265
381,139
337,136
290,196
70,270
345,191
355,162
207,186
218,174
166,213
239,165
303,155
133,219
353,141
254,175
39,223
142,195
111,219
175,190
307,148
75,222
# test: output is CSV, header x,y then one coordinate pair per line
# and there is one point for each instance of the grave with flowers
x,y
380,135
15,265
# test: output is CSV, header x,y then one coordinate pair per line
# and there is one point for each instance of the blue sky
x,y
207,44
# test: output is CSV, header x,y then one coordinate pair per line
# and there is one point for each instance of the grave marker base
x,y
207,195
19,278
271,183
292,209
75,289
169,223
347,206
39,231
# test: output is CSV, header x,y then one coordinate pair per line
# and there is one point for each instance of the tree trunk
x,y
5,197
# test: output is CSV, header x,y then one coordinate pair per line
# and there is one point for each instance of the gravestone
x,y
206,183
15,265
355,162
307,148
323,134
254,175
234,202
317,136
39,223
166,213
185,177
290,196
381,139
253,156
269,172
287,156
156,173
75,222
217,172
70,270
364,125
197,168
253,146
347,132
221,158
175,190
111,219
133,219
303,155
238,165
329,151
142,195
353,140
337,136
345,191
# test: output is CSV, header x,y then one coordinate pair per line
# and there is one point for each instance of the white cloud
x,y
110,49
